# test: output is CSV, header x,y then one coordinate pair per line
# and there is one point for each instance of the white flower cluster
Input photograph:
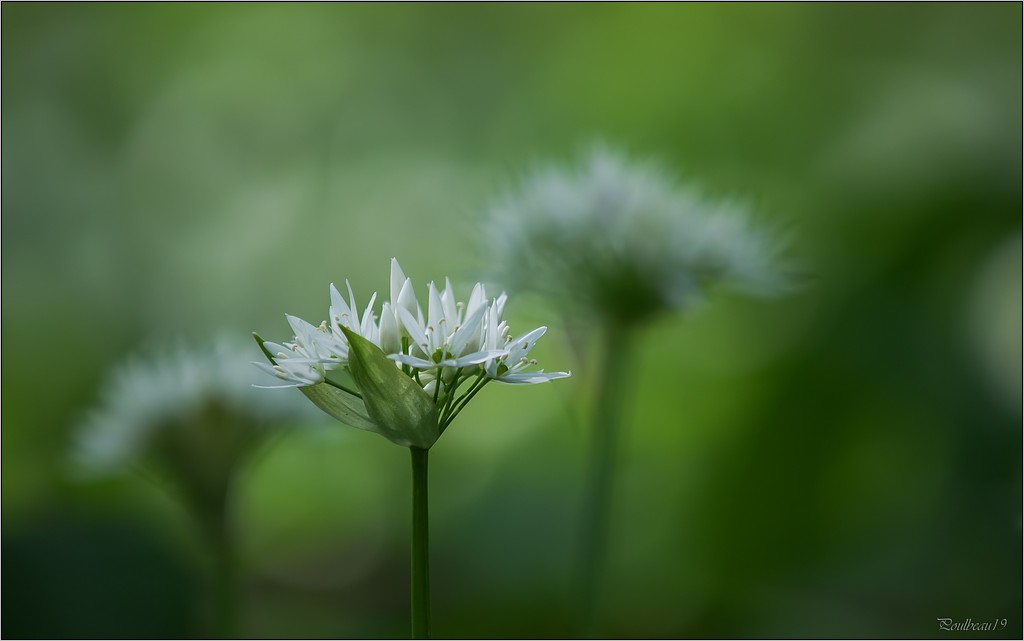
x,y
451,342
143,398
622,240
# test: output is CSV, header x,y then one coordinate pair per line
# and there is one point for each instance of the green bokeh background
x,y
842,462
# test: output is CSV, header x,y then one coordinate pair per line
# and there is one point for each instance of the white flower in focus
x,y
623,242
316,350
445,338
452,338
452,343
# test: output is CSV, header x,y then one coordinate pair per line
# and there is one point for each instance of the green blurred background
x,y
842,462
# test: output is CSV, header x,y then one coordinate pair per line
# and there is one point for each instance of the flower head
x,y
194,410
623,242
442,349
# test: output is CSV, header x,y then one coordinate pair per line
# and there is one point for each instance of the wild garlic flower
x,y
452,344
196,405
624,242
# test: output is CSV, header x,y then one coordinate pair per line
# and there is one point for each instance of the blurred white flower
x,y
622,241
179,401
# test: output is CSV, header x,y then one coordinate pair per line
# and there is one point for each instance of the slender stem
x,y
597,496
463,402
213,521
226,594
343,388
450,390
420,577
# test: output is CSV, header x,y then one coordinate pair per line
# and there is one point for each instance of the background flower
x,y
193,402
189,419
621,240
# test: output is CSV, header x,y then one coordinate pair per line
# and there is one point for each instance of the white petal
x,y
351,299
341,314
476,299
492,337
303,334
472,359
451,313
277,348
407,299
521,346
366,327
390,332
397,280
267,369
418,363
298,373
532,378
467,331
414,328
435,314
499,305
300,370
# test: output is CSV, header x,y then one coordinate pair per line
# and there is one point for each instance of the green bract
x,y
392,404
402,412
347,408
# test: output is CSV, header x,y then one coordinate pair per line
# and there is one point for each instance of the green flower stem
x,y
226,589
464,401
597,496
222,593
420,577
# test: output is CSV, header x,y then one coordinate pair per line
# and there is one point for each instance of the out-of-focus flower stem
x,y
420,575
226,586
222,612
607,419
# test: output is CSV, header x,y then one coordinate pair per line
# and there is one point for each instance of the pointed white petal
x,y
435,311
268,369
477,298
472,359
276,349
303,334
337,302
397,280
365,328
414,328
532,378
521,346
407,299
499,305
418,363
469,329
451,313
351,299
492,337
390,331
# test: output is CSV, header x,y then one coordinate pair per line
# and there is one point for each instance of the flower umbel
x,y
450,352
624,241
199,400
